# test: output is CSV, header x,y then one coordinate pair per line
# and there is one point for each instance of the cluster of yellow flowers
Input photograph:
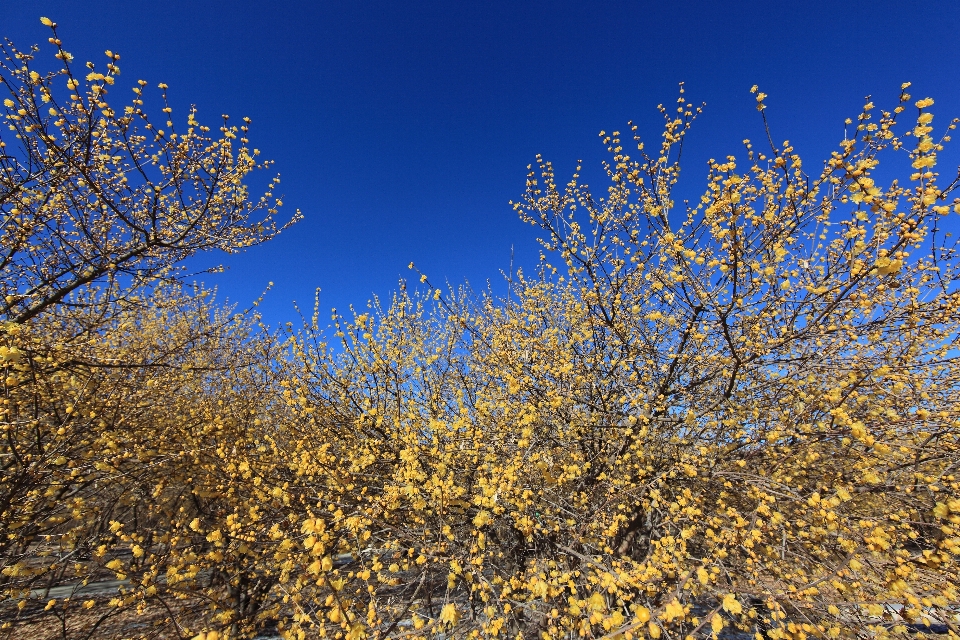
x,y
738,416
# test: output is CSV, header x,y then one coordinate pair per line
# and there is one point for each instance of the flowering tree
x,y
734,414
114,372
739,413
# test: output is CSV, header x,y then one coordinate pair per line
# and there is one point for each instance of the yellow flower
x,y
886,266
716,623
482,518
731,604
449,614
596,603
672,611
47,22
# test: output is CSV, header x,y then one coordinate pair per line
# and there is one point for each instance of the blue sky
x,y
402,129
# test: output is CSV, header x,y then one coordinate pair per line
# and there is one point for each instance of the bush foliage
x,y
738,413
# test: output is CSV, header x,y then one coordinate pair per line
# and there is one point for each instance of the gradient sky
x,y
402,129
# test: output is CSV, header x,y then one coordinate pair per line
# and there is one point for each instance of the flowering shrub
x,y
735,414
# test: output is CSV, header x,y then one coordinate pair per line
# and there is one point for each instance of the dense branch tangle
x,y
737,413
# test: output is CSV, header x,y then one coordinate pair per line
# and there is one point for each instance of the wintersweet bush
x,y
735,414
741,414
123,388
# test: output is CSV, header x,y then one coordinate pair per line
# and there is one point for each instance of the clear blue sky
x,y
402,129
